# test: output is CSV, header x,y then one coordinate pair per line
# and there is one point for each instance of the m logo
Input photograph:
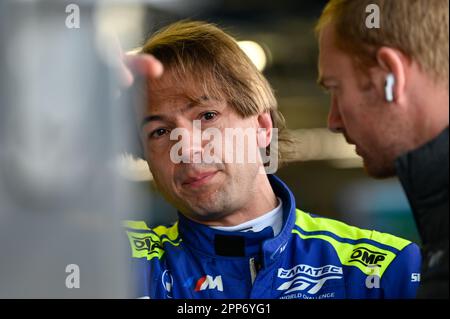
x,y
367,257
208,282
145,245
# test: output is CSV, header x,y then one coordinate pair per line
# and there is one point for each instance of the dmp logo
x,y
144,245
367,257
207,282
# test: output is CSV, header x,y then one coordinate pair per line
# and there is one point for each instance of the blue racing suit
x,y
311,258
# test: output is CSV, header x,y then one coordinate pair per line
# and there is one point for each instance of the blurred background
x,y
64,189
327,177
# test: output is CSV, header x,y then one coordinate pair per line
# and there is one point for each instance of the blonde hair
x,y
418,28
201,53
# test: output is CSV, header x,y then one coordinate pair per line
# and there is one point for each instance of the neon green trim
x,y
170,232
149,244
135,224
345,251
366,257
311,224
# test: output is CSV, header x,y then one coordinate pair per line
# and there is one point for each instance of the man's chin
x,y
378,171
205,215
205,207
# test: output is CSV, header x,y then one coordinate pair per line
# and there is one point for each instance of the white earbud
x,y
389,87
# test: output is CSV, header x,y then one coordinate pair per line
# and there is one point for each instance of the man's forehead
x,y
327,45
172,88
331,59
169,88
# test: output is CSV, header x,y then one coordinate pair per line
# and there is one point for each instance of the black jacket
x,y
424,176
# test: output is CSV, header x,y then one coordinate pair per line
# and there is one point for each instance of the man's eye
x,y
208,116
330,90
158,133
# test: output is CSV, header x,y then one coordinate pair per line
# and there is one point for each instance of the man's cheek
x,y
162,184
157,174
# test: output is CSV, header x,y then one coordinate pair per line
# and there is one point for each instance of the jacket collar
x,y
203,239
424,171
423,174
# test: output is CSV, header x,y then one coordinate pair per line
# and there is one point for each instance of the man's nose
x,y
335,123
193,153
192,144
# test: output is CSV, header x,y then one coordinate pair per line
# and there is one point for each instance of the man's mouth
x,y
357,150
200,179
348,139
351,142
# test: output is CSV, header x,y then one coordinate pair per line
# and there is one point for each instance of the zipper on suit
x,y
253,270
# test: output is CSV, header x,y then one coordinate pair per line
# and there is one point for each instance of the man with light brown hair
x,y
389,97
239,233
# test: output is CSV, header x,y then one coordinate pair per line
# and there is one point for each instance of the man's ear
x,y
393,61
265,127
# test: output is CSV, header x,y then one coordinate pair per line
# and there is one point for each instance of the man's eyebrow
x,y
195,103
152,118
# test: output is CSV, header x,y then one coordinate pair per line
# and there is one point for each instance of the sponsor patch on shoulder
x,y
367,257
145,245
